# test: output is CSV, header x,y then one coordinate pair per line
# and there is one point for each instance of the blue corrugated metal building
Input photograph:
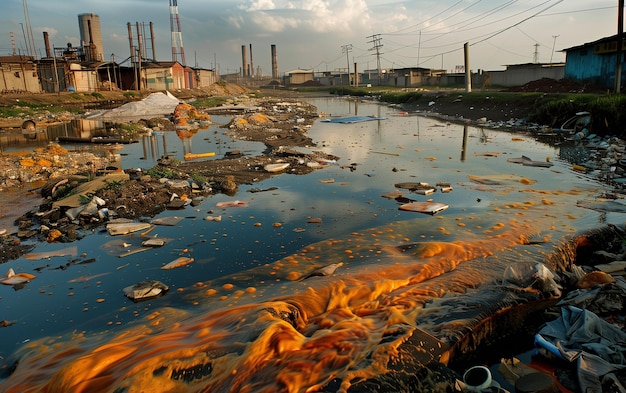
x,y
594,62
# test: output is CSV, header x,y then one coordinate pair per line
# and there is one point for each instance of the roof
x,y
16,59
599,41
299,71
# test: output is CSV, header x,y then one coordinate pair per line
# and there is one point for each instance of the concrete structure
x,y
520,74
204,77
163,76
594,62
19,74
409,77
298,76
91,36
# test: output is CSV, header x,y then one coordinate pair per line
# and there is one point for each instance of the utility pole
x,y
419,45
553,45
376,41
347,49
620,42
468,72
536,54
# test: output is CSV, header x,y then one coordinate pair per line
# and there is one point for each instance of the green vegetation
x,y
114,185
198,178
552,109
209,102
130,94
401,98
77,96
159,172
608,111
26,109
97,95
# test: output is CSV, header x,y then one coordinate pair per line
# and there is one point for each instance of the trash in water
x,y
145,290
69,251
431,208
324,271
12,278
124,228
527,161
232,204
178,262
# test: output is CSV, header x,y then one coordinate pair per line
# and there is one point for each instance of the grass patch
x,y
159,172
209,102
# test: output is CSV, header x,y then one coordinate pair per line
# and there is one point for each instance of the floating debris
x,y
178,262
324,271
145,290
167,221
431,208
12,278
69,251
236,203
124,228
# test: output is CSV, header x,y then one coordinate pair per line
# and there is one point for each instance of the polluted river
x,y
341,279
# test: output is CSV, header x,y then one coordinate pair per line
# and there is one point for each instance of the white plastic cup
x,y
477,378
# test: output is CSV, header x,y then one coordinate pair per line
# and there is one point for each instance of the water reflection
x,y
241,319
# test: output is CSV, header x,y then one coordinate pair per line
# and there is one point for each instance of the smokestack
x,y
46,41
251,73
152,41
92,46
139,41
130,40
244,58
274,62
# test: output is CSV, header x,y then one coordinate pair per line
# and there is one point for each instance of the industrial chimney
x,y
274,62
46,41
251,73
244,59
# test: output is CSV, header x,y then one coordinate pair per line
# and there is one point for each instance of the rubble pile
x,y
42,164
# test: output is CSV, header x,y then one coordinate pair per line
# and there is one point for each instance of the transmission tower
x,y
376,40
177,35
347,49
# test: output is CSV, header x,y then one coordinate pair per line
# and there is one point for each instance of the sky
x,y
325,35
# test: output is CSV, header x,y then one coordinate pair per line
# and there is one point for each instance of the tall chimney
x,y
274,62
130,39
46,41
251,73
92,46
244,58
152,41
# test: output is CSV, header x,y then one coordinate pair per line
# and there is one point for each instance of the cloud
x,y
257,5
274,24
235,21
51,30
319,16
